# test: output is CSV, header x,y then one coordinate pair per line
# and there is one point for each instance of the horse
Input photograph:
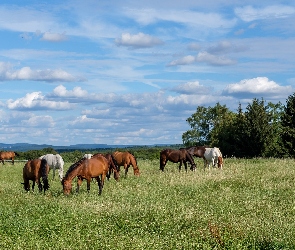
x,y
197,151
126,159
113,166
96,167
88,156
175,156
54,162
9,155
34,170
213,155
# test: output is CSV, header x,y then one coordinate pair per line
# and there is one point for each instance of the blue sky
x,y
132,72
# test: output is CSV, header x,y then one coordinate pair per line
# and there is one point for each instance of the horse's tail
x,y
44,174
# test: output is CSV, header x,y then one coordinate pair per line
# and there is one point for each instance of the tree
x,y
205,125
288,126
257,128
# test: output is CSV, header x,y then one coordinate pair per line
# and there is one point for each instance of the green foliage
x,y
288,124
254,133
247,205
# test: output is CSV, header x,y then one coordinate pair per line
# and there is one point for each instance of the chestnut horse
x,y
113,166
176,155
126,159
95,167
9,155
34,170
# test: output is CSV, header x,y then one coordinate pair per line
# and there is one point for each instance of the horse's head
x,y
67,186
220,162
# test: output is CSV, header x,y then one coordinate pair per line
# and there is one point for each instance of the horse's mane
x,y
74,166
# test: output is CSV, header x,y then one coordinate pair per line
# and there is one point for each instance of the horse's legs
x,y
100,185
126,168
53,173
185,166
12,160
179,167
79,182
88,184
60,173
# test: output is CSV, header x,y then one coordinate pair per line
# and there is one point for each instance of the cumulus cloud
x,y
183,61
249,13
26,73
61,91
257,87
36,101
137,41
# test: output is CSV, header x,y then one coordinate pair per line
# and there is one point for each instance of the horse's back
x,y
123,157
31,168
96,166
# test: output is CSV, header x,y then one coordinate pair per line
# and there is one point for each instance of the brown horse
x,y
126,159
95,167
174,155
197,151
113,166
9,155
34,170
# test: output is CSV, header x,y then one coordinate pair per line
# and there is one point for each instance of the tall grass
x,y
248,205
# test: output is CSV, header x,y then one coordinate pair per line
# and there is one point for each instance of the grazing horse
x,y
113,166
197,151
96,167
54,162
34,170
9,155
175,156
213,155
126,159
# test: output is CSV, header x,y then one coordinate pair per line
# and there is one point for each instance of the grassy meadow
x,y
250,204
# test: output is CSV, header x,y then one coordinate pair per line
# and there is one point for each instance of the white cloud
x,y
61,91
191,88
54,37
183,61
26,73
249,13
36,101
139,40
257,87
203,57
39,121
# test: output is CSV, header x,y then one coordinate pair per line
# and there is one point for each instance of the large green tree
x,y
288,126
205,124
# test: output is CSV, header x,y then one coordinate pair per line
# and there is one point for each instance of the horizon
x,y
131,73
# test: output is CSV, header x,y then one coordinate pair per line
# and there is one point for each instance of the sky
x,y
131,72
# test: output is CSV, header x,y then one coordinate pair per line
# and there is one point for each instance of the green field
x,y
248,205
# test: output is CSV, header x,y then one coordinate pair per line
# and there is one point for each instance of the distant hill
x,y
23,147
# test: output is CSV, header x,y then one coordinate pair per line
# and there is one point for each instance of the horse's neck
x,y
71,175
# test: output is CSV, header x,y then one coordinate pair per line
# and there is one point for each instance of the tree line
x,y
261,130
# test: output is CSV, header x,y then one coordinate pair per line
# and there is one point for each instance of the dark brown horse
x,y
113,166
95,167
126,159
34,170
197,151
9,155
176,155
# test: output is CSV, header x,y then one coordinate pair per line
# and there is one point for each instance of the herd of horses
x,y
100,166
